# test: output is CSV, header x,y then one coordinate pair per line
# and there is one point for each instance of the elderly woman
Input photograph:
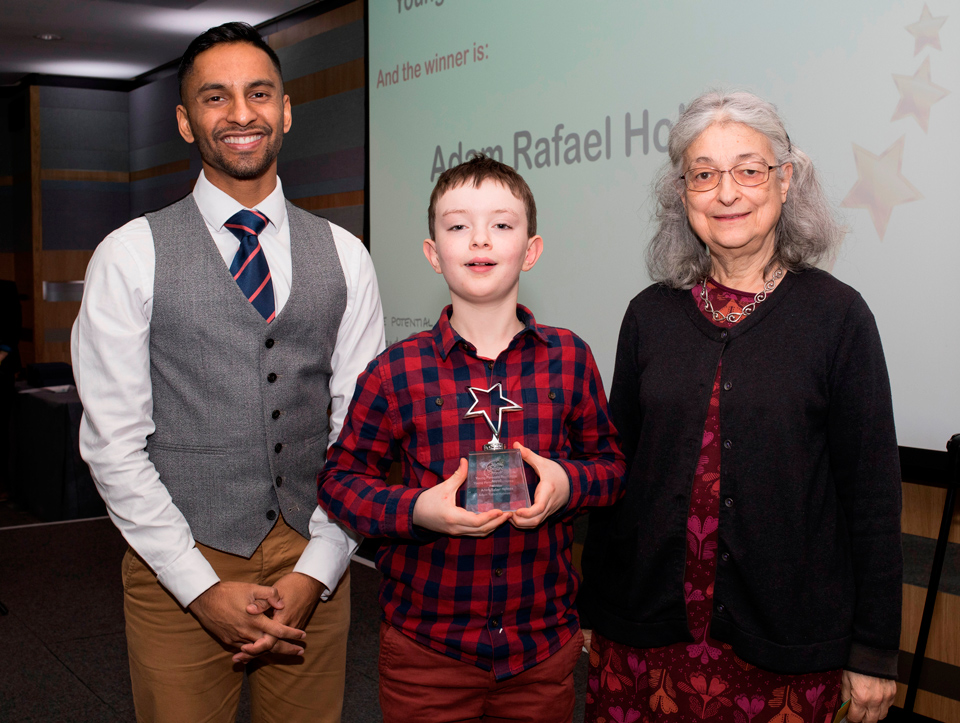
x,y
752,572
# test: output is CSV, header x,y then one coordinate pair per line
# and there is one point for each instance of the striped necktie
x,y
249,267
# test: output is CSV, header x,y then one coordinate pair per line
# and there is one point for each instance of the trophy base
x,y
495,481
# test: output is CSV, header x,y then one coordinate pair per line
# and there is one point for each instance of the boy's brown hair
x,y
478,169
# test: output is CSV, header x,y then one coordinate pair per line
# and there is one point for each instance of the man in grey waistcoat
x,y
214,338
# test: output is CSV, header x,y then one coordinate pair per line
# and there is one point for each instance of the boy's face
x,y
481,243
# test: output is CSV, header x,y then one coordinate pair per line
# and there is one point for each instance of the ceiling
x,y
113,39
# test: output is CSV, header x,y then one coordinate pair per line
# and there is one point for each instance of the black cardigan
x,y
809,485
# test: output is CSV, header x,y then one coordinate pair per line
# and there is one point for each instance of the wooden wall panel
x,y
322,23
7,266
330,200
324,83
54,174
923,510
64,265
944,641
930,705
36,214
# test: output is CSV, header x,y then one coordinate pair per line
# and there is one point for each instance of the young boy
x,y
480,622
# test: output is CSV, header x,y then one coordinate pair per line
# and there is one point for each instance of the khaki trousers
x,y
181,674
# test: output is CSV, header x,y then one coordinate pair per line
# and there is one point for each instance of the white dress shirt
x,y
110,346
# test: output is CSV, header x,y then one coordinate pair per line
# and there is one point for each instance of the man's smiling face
x,y
235,110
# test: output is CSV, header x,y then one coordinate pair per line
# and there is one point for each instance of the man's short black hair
x,y
226,33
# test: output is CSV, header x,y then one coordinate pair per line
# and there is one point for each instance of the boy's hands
x,y
553,491
436,509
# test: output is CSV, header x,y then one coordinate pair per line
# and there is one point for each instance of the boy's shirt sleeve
x,y
352,486
596,465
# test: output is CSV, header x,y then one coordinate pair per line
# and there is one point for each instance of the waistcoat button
x,y
271,514
277,447
271,377
279,480
276,414
268,343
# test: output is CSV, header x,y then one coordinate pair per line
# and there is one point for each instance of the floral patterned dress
x,y
704,680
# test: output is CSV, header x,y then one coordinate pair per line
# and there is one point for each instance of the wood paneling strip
x,y
65,265
944,641
7,267
56,174
36,230
64,174
923,510
930,705
6,180
314,26
330,200
161,170
323,83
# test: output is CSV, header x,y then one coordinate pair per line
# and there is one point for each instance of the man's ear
x,y
287,115
430,251
183,124
534,249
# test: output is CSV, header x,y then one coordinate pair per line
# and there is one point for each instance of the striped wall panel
x,y
939,694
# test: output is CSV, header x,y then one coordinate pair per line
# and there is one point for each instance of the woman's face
x,y
734,220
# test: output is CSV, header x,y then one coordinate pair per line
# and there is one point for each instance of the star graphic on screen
x,y
926,30
917,94
880,185
494,399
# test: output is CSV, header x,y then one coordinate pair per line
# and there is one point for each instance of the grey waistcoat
x,y
240,406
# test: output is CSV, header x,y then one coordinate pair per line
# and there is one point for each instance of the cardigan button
x,y
727,444
269,343
276,414
728,386
725,557
279,481
271,377
728,502
723,334
721,607
277,447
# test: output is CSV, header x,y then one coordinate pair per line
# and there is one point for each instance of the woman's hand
x,y
870,698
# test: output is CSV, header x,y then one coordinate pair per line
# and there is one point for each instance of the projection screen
x,y
579,97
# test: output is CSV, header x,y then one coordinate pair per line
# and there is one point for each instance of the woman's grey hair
x,y
808,229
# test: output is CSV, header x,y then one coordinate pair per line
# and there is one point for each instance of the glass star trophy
x,y
495,478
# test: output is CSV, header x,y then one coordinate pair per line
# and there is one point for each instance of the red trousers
x,y
420,685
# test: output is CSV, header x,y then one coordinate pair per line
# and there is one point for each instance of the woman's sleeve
x,y
866,468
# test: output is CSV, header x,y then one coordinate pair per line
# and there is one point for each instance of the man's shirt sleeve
x,y
110,348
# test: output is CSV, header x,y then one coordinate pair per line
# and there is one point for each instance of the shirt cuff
x,y
325,562
188,577
574,472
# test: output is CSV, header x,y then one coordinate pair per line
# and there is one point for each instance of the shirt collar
x,y
446,337
217,207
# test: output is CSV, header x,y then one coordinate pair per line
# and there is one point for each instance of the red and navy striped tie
x,y
249,267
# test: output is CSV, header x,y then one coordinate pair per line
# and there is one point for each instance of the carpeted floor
x,y
65,653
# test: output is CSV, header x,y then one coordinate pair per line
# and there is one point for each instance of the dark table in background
x,y
51,480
